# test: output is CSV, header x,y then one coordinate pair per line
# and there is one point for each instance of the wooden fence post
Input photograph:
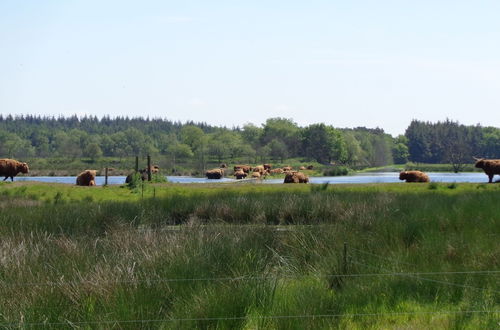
x,y
149,168
106,176
344,266
136,164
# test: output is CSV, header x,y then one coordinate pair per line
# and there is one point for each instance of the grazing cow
x,y
296,177
302,168
240,174
223,165
86,178
11,167
414,176
216,173
268,167
310,167
489,166
244,168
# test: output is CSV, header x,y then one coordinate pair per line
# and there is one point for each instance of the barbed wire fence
x,y
348,260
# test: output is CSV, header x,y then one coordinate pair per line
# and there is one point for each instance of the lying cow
x,y
489,166
11,167
414,176
86,178
296,177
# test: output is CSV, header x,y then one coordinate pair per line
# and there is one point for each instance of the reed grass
x,y
237,256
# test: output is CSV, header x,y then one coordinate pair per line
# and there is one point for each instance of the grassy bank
x,y
420,167
250,256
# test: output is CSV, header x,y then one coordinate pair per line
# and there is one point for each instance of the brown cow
x,y
260,169
240,174
256,175
302,168
489,166
216,173
11,167
245,168
310,167
414,176
296,177
287,168
268,167
86,178
276,171
154,169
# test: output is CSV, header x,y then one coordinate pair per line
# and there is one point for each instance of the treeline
x,y
451,142
276,140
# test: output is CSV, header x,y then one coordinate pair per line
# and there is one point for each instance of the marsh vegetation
x,y
247,256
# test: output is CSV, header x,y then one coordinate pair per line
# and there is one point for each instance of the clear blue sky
x,y
345,63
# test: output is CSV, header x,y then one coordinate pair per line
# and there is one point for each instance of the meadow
x,y
247,256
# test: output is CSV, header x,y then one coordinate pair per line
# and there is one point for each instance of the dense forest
x,y
277,140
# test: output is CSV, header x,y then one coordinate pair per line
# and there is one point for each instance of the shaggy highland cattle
x,y
11,167
240,174
223,165
260,169
489,166
414,176
310,167
302,168
244,168
86,178
287,168
215,174
256,175
267,167
296,177
277,171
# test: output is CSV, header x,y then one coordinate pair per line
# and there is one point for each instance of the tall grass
x,y
250,257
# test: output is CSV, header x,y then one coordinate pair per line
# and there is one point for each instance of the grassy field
x,y
247,256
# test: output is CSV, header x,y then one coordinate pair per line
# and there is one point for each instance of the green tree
x,y
353,151
278,150
324,143
93,151
179,152
284,130
252,135
196,139
400,151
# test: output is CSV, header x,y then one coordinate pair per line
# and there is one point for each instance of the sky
x,y
345,63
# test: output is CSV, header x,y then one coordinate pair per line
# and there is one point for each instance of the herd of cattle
x,y
260,172
10,168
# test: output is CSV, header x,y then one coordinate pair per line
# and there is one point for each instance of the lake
x,y
376,177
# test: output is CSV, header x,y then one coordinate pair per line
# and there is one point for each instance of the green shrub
x,y
336,171
433,186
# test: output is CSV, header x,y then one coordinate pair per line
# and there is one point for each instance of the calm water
x,y
382,177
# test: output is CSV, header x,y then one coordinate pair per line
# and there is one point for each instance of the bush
x,y
336,171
